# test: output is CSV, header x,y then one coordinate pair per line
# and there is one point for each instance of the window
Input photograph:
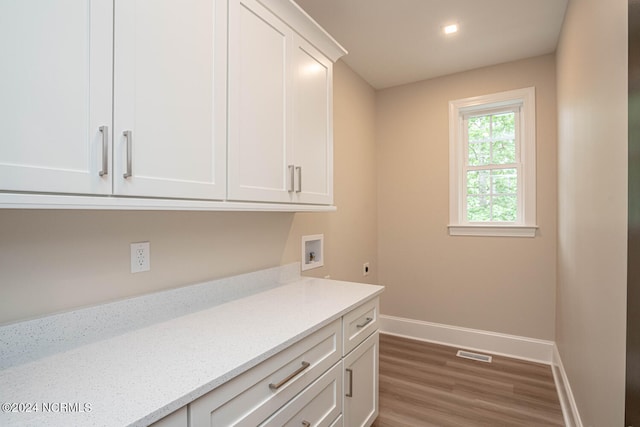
x,y
492,165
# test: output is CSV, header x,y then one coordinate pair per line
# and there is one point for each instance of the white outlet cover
x,y
140,257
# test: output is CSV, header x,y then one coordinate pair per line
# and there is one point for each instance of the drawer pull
x,y
304,366
306,424
350,372
366,322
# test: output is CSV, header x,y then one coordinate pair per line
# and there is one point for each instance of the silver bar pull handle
x,y
366,322
128,135
306,424
276,386
291,178
350,372
105,150
299,169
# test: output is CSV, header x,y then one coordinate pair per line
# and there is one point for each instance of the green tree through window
x,y
492,179
492,164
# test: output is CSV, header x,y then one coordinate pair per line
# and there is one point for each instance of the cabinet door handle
x,y
128,135
105,150
350,372
366,322
291,178
299,169
276,386
306,424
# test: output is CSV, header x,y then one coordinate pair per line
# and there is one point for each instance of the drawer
x,y
319,405
360,323
255,395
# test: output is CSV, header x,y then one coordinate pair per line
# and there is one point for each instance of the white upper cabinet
x,y
55,95
259,103
169,99
312,131
280,105
209,101
167,80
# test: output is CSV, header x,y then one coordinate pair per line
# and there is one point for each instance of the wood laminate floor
x,y
425,384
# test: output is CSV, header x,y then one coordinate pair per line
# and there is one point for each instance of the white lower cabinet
x,y
175,419
319,405
359,323
251,398
315,382
361,383
338,422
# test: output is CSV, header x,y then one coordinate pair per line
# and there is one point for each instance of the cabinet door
x,y
361,384
55,95
170,98
259,91
312,125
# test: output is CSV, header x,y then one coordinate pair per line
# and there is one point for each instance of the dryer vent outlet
x,y
474,356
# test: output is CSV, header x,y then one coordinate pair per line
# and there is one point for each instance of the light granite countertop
x,y
135,377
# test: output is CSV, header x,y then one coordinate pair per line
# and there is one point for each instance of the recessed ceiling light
x,y
450,29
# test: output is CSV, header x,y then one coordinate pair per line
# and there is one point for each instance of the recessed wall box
x,y
312,251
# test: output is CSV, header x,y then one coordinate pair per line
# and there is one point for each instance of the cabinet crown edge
x,y
291,13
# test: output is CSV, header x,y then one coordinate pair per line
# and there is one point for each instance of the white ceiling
x,y
392,42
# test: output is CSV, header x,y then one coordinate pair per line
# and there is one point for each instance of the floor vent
x,y
474,356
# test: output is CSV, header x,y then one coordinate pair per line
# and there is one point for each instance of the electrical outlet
x,y
365,269
140,257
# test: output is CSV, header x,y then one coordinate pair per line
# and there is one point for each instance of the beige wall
x,y
497,284
352,234
57,260
592,206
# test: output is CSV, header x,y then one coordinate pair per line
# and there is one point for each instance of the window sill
x,y
493,230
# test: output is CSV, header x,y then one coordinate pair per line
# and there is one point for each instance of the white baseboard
x,y
473,339
567,401
532,349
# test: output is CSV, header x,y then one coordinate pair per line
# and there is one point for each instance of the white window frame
x,y
525,101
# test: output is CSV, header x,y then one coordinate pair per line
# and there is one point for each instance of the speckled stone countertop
x,y
137,375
